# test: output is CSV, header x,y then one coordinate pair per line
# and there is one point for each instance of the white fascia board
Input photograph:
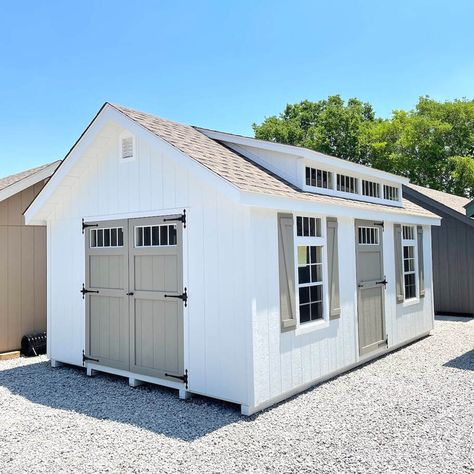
x,y
336,210
33,214
300,153
25,183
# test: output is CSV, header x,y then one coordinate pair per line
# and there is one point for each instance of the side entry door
x,y
371,285
105,291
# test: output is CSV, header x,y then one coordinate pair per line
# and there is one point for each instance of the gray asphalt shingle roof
x,y
240,171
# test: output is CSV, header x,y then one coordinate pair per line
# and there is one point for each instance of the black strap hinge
x,y
183,378
84,358
381,224
84,291
85,226
183,296
181,218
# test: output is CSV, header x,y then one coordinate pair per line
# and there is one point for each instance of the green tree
x,y
330,126
432,145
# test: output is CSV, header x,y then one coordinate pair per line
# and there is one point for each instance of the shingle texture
x,y
15,178
456,203
240,171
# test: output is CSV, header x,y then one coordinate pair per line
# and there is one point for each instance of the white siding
x,y
285,361
217,316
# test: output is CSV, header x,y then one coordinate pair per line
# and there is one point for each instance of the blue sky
x,y
217,64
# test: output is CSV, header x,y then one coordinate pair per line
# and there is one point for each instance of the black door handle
x,y
130,293
84,291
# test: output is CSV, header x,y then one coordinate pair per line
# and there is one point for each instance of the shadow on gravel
x,y
464,362
107,397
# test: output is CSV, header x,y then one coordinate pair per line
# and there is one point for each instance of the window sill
x,y
312,326
411,302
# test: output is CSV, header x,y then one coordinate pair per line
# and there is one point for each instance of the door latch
x,y
183,296
84,291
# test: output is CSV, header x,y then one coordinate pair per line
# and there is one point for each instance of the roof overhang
x,y
391,214
30,180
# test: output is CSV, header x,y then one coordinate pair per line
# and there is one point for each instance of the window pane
x,y
139,236
313,254
147,236
106,237
303,275
316,273
305,313
100,238
302,255
120,237
172,235
113,237
316,293
299,226
304,294
313,177
410,287
164,234
93,238
316,311
312,227
305,227
155,235
308,176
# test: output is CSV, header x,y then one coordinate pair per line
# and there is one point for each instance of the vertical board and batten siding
x,y
284,361
216,335
23,271
453,266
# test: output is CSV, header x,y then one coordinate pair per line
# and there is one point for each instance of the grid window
x,y
310,283
346,184
308,226
390,193
155,235
370,188
368,236
409,266
106,238
318,178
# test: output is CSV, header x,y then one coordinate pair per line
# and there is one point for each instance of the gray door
x,y
370,286
156,309
107,313
134,295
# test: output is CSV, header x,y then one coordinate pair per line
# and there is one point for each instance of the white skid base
x,y
135,380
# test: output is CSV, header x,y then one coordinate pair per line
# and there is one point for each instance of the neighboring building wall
x,y
218,314
23,271
453,262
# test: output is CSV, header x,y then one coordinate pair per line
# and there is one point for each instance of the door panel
x,y
370,286
156,324
107,313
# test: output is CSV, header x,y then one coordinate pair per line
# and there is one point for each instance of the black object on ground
x,y
33,344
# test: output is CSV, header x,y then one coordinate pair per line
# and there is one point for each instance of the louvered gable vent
x,y
127,148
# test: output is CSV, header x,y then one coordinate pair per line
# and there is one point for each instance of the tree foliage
x,y
432,145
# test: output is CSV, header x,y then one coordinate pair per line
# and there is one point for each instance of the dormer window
x,y
370,188
390,193
318,178
127,147
346,184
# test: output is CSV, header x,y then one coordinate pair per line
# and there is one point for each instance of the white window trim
x,y
135,229
304,328
123,136
413,243
91,231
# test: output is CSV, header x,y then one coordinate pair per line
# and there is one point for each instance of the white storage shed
x,y
226,266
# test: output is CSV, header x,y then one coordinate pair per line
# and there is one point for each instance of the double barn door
x,y
134,295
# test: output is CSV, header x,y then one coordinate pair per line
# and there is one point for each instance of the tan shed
x,y
22,258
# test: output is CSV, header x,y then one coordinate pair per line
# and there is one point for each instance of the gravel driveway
x,y
412,411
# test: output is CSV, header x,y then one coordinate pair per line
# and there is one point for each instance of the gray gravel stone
x,y
411,411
